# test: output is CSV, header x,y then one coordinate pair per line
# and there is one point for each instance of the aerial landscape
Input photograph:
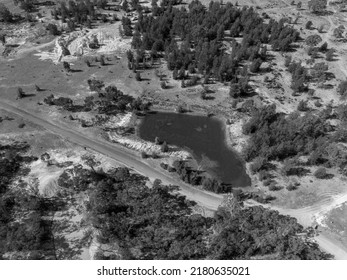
x,y
173,130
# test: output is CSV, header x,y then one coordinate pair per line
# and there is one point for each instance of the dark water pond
x,y
203,137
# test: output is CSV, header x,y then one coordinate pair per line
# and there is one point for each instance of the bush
x,y
66,66
308,25
291,187
144,155
302,106
164,165
267,182
264,175
329,56
53,29
87,62
313,40
342,89
171,169
5,14
257,164
273,187
102,60
138,76
164,147
320,173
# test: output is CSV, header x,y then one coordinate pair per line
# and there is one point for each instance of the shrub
x,y
138,76
313,40
164,147
155,155
87,62
257,164
144,154
95,85
52,29
264,175
20,93
342,89
308,25
302,106
164,165
329,56
320,173
102,60
291,187
267,182
273,187
66,66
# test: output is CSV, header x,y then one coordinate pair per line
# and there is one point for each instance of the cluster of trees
x,y
110,100
81,12
155,221
160,224
31,234
317,6
5,14
274,136
26,5
202,32
299,76
194,177
257,232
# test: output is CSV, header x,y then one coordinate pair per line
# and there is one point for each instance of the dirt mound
x,y
80,43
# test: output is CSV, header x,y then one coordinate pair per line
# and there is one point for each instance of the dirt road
x,y
209,201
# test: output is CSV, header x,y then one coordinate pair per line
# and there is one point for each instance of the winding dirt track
x,y
209,201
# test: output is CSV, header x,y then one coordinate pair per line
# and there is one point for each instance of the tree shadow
x,y
75,70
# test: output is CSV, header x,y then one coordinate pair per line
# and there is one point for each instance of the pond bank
x,y
204,137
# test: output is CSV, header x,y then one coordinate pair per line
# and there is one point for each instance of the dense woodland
x,y
30,236
275,136
194,40
156,223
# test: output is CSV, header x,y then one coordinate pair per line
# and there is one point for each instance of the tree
x,y
138,76
317,6
255,66
5,14
102,60
324,47
329,56
338,33
308,25
342,89
53,29
320,173
66,66
234,90
302,106
164,147
20,93
313,40
157,141
26,5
